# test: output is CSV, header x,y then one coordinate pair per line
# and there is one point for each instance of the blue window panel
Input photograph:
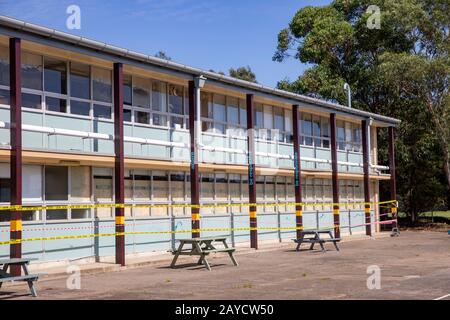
x,y
326,155
152,242
4,236
106,245
104,146
268,221
287,220
212,222
4,133
68,248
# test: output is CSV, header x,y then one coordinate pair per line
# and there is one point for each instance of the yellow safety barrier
x,y
224,205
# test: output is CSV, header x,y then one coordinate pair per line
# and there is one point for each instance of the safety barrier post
x,y
335,180
297,171
119,164
16,150
194,178
393,188
365,127
251,171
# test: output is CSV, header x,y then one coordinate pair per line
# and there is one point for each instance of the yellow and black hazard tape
x,y
185,205
94,235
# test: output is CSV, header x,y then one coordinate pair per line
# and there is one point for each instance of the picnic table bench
x,y
7,277
313,237
203,247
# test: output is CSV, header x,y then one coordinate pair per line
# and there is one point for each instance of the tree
x,y
243,73
162,55
400,70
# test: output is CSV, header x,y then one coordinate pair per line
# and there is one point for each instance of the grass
x,y
435,214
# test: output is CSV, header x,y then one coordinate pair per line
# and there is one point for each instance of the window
x,y
4,66
127,89
159,96
101,84
103,189
159,120
79,107
243,113
80,86
56,104
142,185
288,125
32,101
80,184
316,127
101,111
4,97
142,117
5,190
340,134
357,138
127,115
306,129
175,99
31,71
55,76
56,183
141,92
325,125
160,191
233,110
278,117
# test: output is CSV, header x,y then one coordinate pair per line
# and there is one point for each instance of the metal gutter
x,y
121,52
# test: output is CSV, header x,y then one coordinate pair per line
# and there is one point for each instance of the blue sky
x,y
208,34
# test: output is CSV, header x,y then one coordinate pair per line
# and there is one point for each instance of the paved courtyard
x,y
415,265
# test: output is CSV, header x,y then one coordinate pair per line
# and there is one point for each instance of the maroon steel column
x,y
393,178
195,194
251,172
366,157
297,171
119,163
16,150
334,179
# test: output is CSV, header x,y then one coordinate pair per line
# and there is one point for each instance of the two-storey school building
x,y
83,123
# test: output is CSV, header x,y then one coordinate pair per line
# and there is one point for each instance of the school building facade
x,y
124,146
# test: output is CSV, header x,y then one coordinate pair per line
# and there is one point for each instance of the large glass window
x,y
32,101
4,66
340,134
127,89
101,111
278,118
80,184
176,99
160,191
103,189
4,97
159,100
306,129
101,84
80,86
80,107
141,92
55,75
31,71
56,104
56,183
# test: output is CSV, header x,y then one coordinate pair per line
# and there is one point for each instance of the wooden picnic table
x,y
203,247
7,277
314,236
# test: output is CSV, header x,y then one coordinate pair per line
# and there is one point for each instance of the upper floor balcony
x,y
67,106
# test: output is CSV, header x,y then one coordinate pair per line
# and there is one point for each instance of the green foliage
x,y
401,70
162,55
243,73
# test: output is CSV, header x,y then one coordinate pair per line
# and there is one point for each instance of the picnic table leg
x,y
5,268
230,253
323,248
206,262
335,245
311,246
30,283
298,246
177,254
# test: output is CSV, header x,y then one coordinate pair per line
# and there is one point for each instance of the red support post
x,y
366,167
251,172
194,178
395,230
334,177
15,90
297,171
119,164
